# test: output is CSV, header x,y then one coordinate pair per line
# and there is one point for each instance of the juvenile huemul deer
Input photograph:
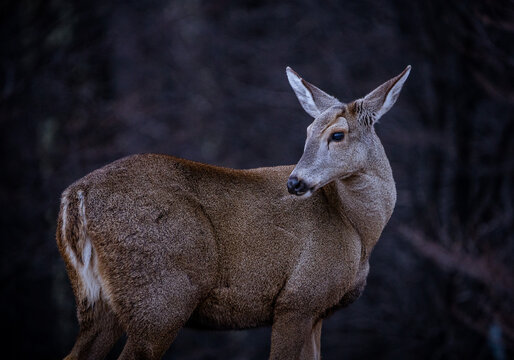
x,y
153,243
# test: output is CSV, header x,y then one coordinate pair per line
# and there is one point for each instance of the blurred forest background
x,y
85,82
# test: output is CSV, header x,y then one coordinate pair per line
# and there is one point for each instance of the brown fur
x,y
174,242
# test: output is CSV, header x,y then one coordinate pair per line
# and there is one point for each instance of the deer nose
x,y
295,186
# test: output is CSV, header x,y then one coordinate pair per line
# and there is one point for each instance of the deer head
x,y
341,138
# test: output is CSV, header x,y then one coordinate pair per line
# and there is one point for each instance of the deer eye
x,y
337,136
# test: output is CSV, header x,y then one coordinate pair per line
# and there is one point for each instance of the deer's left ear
x,y
380,100
313,100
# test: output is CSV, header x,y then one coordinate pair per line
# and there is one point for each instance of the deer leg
x,y
152,347
295,336
312,348
99,331
156,316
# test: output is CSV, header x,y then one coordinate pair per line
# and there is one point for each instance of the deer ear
x,y
380,100
313,100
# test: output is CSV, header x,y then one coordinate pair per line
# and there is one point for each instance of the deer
x,y
153,243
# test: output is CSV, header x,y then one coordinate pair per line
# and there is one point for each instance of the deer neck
x,y
366,200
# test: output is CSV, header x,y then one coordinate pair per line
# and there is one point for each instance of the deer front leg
x,y
312,348
295,336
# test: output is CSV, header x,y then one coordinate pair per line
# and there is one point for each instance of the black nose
x,y
295,186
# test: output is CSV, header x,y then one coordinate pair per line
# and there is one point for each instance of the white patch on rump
x,y
64,202
91,284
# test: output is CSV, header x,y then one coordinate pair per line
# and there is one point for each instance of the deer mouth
x,y
299,187
309,190
306,193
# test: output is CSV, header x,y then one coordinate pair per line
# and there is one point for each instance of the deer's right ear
x,y
313,100
380,100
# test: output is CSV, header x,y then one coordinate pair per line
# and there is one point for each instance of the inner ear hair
x,y
382,99
364,114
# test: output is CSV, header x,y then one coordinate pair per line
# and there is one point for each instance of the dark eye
x,y
337,136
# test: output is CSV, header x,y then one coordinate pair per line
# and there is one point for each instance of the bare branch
x,y
479,268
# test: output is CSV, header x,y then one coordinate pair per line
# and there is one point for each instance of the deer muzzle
x,y
296,186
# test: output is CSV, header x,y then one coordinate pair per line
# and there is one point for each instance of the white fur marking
x,y
88,270
89,274
64,202
71,256
302,93
393,94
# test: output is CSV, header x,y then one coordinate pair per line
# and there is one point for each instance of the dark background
x,y
85,82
